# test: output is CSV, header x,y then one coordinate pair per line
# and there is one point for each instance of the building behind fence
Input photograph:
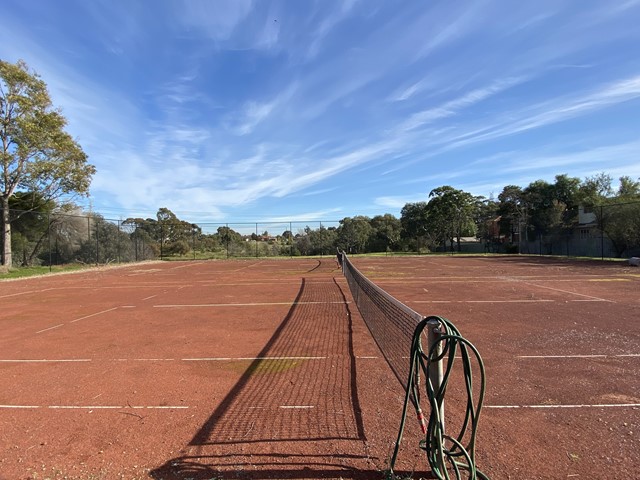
x,y
63,238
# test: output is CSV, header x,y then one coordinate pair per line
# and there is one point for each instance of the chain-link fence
x,y
606,231
58,238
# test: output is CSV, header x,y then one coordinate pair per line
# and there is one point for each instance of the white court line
x,y
93,314
597,405
97,407
203,359
144,360
119,407
20,406
22,293
248,304
50,328
44,360
483,301
226,359
297,406
581,356
566,291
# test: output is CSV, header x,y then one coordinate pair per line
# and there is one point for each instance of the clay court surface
x,y
257,369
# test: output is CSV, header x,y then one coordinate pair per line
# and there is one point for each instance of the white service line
x,y
45,360
226,359
486,301
144,360
297,406
94,314
50,328
23,293
566,291
113,407
97,407
597,405
580,356
265,304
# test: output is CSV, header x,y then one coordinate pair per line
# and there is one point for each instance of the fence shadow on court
x,y
295,412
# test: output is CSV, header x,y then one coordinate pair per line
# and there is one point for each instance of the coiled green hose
x,y
457,458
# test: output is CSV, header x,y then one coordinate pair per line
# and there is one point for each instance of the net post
x,y
436,367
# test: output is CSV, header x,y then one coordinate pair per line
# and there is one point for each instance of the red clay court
x,y
260,369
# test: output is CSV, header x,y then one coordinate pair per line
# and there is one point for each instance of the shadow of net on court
x,y
301,387
294,413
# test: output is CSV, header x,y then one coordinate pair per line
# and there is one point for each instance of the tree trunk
x,y
6,233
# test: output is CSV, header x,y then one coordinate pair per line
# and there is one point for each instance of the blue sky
x,y
239,110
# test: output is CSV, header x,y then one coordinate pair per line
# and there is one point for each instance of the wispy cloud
x,y
449,25
317,215
253,113
217,20
327,24
406,92
396,203
243,108
452,107
554,111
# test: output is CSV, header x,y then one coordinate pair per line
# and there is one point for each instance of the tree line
x,y
42,168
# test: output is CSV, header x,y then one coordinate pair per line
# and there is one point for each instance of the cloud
x,y
329,22
217,20
556,110
405,93
317,215
452,107
397,202
252,115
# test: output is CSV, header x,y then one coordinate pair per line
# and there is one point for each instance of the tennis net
x,y
391,323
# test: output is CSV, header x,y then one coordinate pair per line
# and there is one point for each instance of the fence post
x,y
97,245
118,242
290,239
161,240
601,233
49,234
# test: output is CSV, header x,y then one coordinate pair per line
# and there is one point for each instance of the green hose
x,y
456,458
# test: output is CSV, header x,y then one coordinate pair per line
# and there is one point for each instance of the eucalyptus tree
x,y
512,210
413,219
354,233
36,153
451,213
386,232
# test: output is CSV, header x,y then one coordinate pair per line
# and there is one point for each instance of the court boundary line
x,y
265,304
591,297
95,407
551,406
